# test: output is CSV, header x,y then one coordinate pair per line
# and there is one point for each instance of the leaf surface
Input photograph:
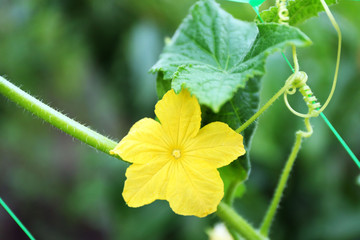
x,y
213,54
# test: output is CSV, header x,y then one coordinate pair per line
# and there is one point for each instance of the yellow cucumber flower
x,y
175,160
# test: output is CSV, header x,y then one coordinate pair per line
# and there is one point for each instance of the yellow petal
x,y
145,140
180,116
217,143
146,182
194,188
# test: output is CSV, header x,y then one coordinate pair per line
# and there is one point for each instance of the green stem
x,y
263,108
266,224
236,222
55,118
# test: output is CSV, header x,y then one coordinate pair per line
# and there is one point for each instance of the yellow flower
x,y
176,160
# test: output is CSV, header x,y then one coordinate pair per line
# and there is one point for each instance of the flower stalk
x,y
56,118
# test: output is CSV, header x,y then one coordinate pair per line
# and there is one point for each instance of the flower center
x,y
176,153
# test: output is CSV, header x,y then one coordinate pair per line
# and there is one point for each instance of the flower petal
x,y
145,140
195,188
146,182
217,143
180,115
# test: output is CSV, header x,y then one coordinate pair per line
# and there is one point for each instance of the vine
x,y
176,71
55,118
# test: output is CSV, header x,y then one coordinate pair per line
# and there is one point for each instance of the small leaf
x,y
213,55
299,11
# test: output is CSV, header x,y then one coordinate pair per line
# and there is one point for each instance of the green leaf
x,y
299,11
162,86
213,55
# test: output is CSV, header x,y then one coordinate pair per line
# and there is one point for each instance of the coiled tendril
x,y
298,81
283,12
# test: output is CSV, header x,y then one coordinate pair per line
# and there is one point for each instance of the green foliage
x,y
213,55
299,11
162,86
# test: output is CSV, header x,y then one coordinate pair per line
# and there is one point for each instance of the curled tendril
x,y
283,12
298,81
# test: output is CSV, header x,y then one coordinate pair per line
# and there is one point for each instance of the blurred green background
x,y
90,59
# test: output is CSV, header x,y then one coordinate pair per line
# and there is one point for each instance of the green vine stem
x,y
266,224
263,108
236,222
55,118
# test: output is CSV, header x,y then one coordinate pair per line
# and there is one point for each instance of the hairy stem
x,y
266,224
56,118
236,222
